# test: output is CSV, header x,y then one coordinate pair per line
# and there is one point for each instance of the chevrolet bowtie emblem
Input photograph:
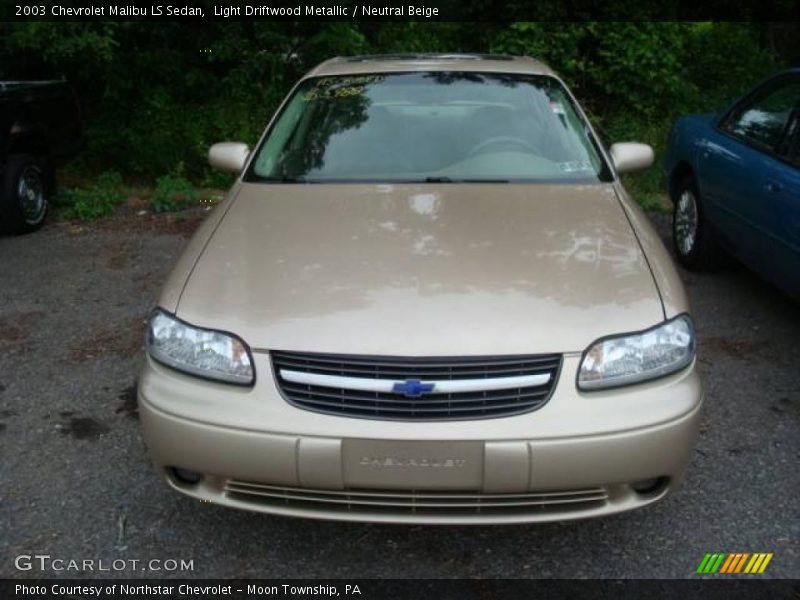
x,y
412,388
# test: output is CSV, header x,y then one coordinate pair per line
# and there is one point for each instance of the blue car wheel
x,y
693,237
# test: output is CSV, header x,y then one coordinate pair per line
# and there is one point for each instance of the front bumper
x,y
563,461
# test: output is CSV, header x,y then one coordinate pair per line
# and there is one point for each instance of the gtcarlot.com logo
x,y
44,562
744,563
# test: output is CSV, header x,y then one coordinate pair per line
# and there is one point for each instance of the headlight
x,y
635,357
203,352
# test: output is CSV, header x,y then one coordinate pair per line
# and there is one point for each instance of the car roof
x,y
396,63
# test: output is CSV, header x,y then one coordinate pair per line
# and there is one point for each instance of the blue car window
x,y
763,120
794,151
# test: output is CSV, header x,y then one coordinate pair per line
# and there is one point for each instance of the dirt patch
x,y
731,347
2,427
783,405
183,223
124,341
129,406
15,327
739,450
9,333
117,262
136,203
30,317
119,258
4,414
145,282
20,349
84,428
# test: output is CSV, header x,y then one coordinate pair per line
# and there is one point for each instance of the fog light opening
x,y
649,486
186,476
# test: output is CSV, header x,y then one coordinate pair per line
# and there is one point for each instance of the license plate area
x,y
407,465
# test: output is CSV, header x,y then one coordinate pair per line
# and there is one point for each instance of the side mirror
x,y
228,156
631,156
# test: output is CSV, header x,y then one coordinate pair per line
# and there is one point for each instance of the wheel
x,y
692,234
25,188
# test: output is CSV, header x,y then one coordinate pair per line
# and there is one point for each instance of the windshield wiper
x,y
443,179
432,179
286,179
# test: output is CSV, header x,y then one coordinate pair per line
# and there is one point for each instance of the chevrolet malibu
x,y
427,298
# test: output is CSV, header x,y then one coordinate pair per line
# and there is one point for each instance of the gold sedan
x,y
428,299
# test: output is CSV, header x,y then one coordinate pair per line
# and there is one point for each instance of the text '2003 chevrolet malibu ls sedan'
x,y
427,299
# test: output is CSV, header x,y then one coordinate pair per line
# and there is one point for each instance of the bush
x,y
647,187
611,66
154,96
724,60
636,78
173,192
95,200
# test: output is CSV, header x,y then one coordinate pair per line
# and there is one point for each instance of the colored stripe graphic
x,y
735,562
764,564
702,567
730,564
710,563
740,563
755,562
727,564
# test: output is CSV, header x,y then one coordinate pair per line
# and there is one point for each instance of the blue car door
x,y
783,188
739,164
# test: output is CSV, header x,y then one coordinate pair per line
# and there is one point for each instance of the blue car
x,y
734,180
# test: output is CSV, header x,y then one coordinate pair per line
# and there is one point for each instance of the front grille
x,y
415,502
474,403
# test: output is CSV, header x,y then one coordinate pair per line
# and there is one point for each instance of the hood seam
x,y
203,249
644,254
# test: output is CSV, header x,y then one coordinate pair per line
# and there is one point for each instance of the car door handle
x,y
773,187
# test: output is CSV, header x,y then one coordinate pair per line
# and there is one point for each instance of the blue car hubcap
x,y
686,222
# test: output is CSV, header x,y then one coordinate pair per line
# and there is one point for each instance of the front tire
x,y
24,194
692,235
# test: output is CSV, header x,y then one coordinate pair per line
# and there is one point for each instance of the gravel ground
x,y
75,481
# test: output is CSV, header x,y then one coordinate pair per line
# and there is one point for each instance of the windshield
x,y
429,127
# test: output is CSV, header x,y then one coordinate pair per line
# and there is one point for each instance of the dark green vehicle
x,y
39,125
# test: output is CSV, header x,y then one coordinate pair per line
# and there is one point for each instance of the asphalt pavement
x,y
76,482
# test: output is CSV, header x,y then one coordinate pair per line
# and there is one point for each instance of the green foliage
x,y
173,193
723,60
611,66
157,96
636,78
413,36
97,199
648,187
66,44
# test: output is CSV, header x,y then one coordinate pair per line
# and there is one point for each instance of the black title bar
x,y
396,10
716,588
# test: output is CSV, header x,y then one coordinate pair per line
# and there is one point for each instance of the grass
x,y
85,197
648,191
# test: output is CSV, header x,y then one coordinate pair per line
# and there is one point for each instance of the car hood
x,y
415,270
